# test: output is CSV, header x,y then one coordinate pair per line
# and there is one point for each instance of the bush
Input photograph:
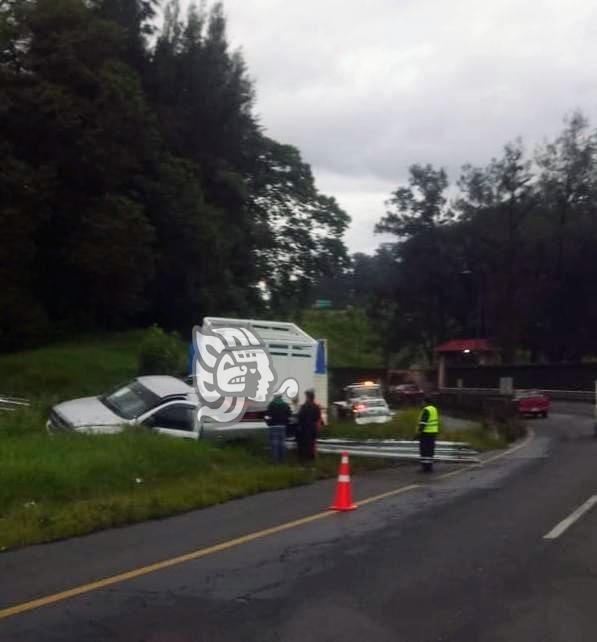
x,y
162,353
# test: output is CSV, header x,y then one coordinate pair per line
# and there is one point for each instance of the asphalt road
x,y
460,558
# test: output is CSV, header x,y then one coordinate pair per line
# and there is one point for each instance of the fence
x,y
563,377
487,404
498,411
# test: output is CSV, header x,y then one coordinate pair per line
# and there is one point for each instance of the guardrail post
x,y
506,385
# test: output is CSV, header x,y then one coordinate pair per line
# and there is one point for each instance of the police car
x,y
364,403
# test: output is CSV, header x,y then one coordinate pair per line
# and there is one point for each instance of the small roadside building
x,y
464,352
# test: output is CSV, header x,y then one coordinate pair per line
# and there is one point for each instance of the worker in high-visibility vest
x,y
427,433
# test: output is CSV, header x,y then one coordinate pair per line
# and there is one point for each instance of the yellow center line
x,y
390,493
223,546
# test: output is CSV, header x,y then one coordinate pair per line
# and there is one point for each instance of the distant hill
x,y
352,339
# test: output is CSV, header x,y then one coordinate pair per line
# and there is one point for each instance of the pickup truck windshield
x,y
131,400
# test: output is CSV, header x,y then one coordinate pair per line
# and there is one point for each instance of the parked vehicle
x,y
169,405
406,394
364,403
532,402
152,401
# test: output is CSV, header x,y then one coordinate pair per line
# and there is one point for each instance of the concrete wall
x,y
565,376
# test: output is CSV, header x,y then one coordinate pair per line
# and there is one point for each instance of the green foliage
x,y
162,353
88,365
508,258
404,426
136,182
53,487
301,229
353,340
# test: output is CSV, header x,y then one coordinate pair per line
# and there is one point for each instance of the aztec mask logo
x,y
231,367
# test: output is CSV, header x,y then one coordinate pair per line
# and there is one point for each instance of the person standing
x,y
309,421
427,433
277,417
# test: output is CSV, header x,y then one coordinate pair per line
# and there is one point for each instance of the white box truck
x,y
294,354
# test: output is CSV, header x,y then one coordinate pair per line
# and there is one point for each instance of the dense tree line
x,y
512,257
137,184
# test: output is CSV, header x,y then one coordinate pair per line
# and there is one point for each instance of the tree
x,y
136,18
496,202
136,176
75,113
300,230
419,213
568,184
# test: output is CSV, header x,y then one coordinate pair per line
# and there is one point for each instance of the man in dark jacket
x,y
309,422
277,417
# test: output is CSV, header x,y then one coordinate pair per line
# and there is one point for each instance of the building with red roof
x,y
464,352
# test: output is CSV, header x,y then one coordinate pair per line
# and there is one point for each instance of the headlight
x,y
56,422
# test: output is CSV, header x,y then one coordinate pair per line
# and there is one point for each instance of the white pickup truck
x,y
169,405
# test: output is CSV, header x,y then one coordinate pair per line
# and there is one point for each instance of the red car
x,y
532,402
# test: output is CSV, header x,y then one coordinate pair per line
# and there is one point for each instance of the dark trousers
x,y
427,450
277,441
305,442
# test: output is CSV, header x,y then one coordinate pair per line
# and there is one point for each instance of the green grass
x,y
352,339
52,487
404,425
86,366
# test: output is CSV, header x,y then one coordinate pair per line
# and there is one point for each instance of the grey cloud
x,y
365,90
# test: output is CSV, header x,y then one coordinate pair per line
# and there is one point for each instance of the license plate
x,y
535,410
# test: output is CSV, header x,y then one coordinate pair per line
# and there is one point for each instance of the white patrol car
x,y
364,402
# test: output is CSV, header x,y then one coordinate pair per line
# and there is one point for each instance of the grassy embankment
x,y
353,340
57,486
403,426
54,487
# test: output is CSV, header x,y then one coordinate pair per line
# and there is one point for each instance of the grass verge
x,y
404,425
52,487
60,486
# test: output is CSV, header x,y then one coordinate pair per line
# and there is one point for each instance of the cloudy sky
x,y
365,89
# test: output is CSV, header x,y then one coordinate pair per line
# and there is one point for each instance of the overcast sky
x,y
365,89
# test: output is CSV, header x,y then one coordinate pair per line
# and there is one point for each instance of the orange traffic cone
x,y
343,499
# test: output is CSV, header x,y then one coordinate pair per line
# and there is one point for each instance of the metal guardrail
x,y
471,391
8,404
448,451
571,395
587,396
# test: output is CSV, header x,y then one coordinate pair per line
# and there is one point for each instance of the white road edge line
x,y
565,524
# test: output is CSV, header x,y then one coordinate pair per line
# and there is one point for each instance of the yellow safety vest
x,y
432,423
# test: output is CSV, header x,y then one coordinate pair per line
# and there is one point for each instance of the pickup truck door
x,y
177,419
